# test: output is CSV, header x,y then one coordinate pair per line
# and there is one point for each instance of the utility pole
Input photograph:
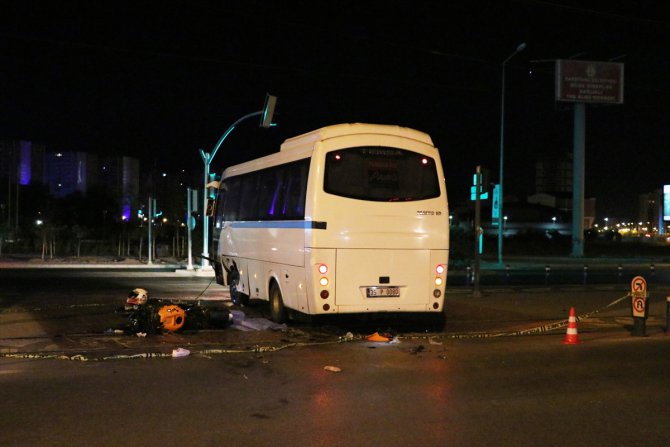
x,y
191,202
501,200
150,221
477,230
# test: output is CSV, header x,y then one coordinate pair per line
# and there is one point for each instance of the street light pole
x,y
207,157
501,219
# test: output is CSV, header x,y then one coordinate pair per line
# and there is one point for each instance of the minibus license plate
x,y
381,292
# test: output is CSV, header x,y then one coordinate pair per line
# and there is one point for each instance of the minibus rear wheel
x,y
277,310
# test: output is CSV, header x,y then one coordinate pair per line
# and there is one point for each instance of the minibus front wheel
x,y
233,283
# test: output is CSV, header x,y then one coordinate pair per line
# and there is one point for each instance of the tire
x,y
238,297
218,273
278,312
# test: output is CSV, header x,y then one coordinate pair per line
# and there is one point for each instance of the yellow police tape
x,y
18,310
147,355
535,330
349,337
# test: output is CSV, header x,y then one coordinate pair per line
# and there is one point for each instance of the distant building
x,y
121,177
650,209
553,176
21,165
69,172
553,186
24,163
21,161
589,212
543,199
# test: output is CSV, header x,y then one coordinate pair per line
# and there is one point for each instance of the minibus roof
x,y
339,130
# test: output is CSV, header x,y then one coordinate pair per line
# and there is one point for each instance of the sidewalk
x,y
526,262
99,263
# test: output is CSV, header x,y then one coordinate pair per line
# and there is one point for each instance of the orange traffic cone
x,y
571,337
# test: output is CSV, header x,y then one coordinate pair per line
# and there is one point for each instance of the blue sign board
x,y
495,209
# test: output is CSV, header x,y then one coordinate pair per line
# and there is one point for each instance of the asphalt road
x,y
526,391
494,376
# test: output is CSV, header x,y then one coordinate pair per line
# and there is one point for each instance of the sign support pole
x,y
579,139
189,226
639,306
152,211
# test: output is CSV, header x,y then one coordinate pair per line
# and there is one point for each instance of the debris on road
x,y
417,350
331,368
242,323
378,337
180,352
347,337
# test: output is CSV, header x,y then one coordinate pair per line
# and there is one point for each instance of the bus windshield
x,y
380,174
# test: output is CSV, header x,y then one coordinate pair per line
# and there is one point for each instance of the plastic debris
x,y
331,368
242,323
141,334
262,324
377,337
347,337
238,315
180,352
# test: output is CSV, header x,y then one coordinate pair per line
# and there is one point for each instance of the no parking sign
x,y
638,288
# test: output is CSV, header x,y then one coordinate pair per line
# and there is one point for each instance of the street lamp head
x,y
521,47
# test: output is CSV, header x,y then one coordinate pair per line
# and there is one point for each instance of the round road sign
x,y
638,285
638,306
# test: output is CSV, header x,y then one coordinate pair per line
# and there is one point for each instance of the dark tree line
x,y
84,225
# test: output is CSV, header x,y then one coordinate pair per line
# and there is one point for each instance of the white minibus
x,y
349,218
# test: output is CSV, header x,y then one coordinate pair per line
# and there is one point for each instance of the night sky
x,y
159,80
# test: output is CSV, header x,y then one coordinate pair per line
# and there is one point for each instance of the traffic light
x,y
483,185
268,111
